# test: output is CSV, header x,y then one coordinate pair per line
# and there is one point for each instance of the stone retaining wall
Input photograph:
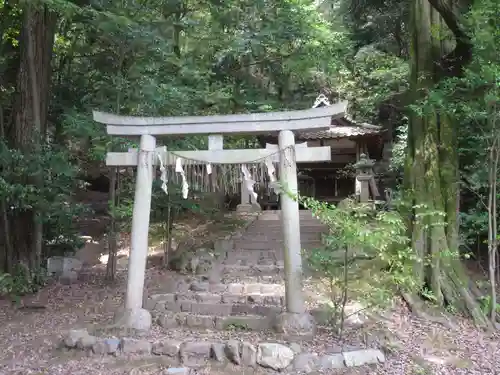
x,y
269,355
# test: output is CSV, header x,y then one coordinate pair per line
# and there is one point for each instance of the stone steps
x,y
274,299
271,279
222,299
256,270
169,320
271,227
272,245
218,309
278,237
256,260
228,284
204,305
262,319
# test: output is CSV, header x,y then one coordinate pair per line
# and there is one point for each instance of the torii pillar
x,y
133,315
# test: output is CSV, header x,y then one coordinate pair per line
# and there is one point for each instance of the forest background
x,y
426,70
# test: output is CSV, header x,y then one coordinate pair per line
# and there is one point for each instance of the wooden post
x,y
216,142
140,224
290,223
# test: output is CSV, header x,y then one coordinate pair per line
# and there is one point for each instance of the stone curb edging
x,y
269,355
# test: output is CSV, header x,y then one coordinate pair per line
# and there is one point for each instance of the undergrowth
x,y
365,255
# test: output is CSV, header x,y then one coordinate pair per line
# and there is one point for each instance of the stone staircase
x,y
245,287
243,292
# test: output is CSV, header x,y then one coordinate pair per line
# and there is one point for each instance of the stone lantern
x,y
364,173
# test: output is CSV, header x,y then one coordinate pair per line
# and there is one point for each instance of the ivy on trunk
x,y
432,159
28,123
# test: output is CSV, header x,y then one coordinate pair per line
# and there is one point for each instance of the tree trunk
x,y
432,161
30,117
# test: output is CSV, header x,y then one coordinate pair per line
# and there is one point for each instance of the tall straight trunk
x,y
432,161
30,117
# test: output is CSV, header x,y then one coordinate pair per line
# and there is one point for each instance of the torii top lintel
x,y
315,118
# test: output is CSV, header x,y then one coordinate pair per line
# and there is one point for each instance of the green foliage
x,y
485,302
20,193
373,78
203,58
365,254
399,152
152,58
20,282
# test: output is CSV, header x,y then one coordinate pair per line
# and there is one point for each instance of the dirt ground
x,y
29,336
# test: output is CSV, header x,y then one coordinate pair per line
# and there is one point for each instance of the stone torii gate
x,y
133,315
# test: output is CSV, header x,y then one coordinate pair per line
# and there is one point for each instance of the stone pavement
x,y
244,287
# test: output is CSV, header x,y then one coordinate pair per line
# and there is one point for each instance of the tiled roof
x,y
341,128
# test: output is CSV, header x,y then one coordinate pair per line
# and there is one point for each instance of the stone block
x,y
267,262
71,338
246,309
266,268
186,297
296,347
195,353
255,298
171,306
223,245
165,297
248,208
322,315
235,288
200,321
273,300
169,321
306,362
106,346
363,357
217,352
331,362
66,269
254,323
138,320
248,354
252,288
274,289
86,342
208,297
216,309
233,298
176,371
295,325
149,304
274,356
200,286
185,306
232,350
168,348
182,287
217,288
135,346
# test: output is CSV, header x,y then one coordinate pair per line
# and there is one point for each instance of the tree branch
x,y
454,61
451,19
